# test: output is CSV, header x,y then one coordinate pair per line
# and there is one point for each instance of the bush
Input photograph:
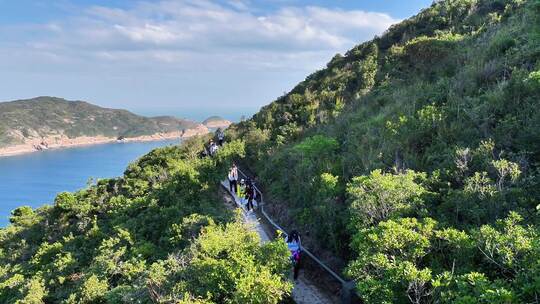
x,y
388,268
23,216
65,201
224,264
381,196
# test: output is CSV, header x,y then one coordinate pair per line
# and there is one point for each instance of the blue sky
x,y
177,56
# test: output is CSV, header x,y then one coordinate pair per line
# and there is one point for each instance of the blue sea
x,y
34,179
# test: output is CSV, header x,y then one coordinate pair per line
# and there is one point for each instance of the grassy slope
x,y
460,81
45,116
458,73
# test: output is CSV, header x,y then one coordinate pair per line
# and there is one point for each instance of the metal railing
x,y
348,292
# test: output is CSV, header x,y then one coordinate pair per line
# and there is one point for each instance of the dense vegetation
x,y
159,234
49,116
415,157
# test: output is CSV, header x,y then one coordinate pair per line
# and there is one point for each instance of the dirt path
x,y
303,292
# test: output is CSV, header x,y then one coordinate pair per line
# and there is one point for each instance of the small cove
x,y
34,179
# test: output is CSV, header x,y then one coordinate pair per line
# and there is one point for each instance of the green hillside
x,y
414,158
48,116
158,234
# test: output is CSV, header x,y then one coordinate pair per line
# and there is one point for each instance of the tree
x,y
509,246
34,292
505,169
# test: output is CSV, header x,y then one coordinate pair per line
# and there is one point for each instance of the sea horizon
x,y
199,114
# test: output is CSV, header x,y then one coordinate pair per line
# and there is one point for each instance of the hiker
x,y
249,183
233,178
203,153
213,148
294,245
250,195
241,190
257,198
220,137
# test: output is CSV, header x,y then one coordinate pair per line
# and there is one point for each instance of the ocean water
x,y
34,179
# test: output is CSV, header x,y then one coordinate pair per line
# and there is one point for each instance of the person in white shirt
x,y
233,178
213,148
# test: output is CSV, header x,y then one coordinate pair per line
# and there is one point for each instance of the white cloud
x,y
187,38
155,34
241,5
206,27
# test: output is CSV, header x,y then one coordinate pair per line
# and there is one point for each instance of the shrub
x,y
22,216
381,196
65,201
388,268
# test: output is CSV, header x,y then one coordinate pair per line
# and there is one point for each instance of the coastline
x,y
63,142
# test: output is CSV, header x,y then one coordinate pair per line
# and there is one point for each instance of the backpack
x,y
295,257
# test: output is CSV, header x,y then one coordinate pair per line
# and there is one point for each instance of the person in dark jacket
x,y
294,244
250,195
220,137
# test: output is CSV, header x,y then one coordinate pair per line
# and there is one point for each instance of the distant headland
x,y
215,122
42,123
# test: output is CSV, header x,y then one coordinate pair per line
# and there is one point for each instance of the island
x,y
216,122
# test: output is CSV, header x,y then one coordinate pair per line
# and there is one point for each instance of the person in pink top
x,y
294,245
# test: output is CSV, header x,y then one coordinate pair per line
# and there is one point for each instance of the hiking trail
x,y
303,292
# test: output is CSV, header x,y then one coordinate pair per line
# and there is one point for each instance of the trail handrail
x,y
348,286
